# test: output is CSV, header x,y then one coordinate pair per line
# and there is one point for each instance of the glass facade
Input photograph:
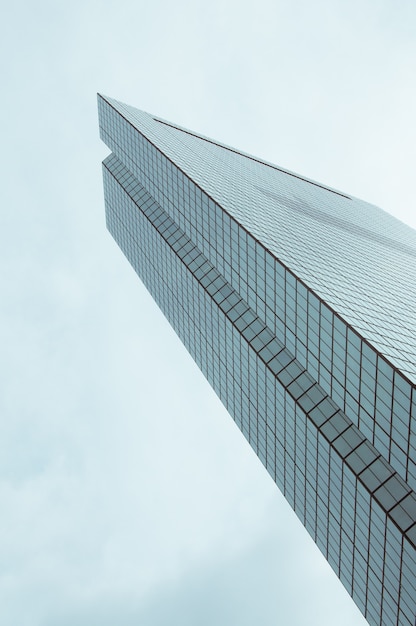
x,y
298,304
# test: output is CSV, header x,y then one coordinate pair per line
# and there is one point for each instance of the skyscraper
x,y
298,303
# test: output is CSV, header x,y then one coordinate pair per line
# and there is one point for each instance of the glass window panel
x,y
280,361
404,513
348,441
321,413
300,385
312,397
334,426
391,492
376,474
291,371
361,457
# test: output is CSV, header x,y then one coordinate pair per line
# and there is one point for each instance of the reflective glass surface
x,y
296,302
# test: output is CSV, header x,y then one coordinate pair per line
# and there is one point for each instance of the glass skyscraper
x,y
298,303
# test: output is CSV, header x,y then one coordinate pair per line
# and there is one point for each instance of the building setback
x,y
298,303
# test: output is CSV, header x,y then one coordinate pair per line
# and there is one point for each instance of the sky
x,y
127,493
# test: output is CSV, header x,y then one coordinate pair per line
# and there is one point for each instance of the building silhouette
x,y
298,303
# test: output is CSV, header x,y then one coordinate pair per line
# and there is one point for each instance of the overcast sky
x,y
128,495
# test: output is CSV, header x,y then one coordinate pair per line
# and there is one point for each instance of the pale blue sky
x,y
128,495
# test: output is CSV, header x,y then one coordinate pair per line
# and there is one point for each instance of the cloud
x,y
126,490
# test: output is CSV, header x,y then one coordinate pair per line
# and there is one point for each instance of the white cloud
x,y
122,479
